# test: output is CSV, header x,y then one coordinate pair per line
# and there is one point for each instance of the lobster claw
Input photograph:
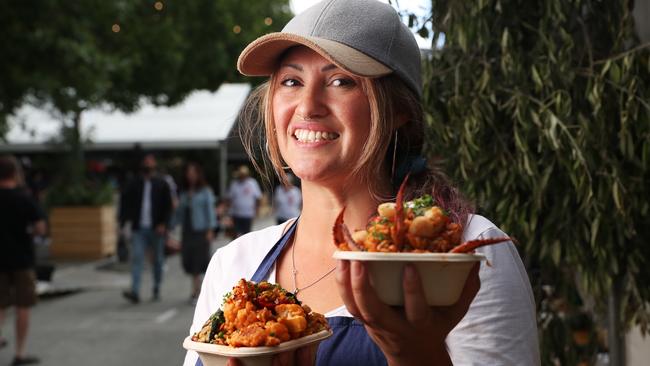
x,y
400,228
342,234
469,246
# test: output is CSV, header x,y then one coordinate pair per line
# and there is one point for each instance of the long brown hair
x,y
388,143
200,177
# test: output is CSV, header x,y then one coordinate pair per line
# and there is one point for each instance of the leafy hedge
x,y
541,111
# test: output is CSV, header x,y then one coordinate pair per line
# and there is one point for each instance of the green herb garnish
x,y
421,204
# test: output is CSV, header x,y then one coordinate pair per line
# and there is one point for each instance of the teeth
x,y
313,136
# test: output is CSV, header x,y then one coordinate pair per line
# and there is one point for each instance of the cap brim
x,y
261,57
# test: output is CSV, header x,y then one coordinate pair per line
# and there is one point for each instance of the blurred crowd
x,y
158,215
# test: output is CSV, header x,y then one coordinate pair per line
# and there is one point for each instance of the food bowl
x,y
443,274
217,355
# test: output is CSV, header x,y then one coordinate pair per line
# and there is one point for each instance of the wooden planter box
x,y
83,232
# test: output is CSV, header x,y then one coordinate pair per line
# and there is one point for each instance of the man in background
x,y
244,198
287,200
20,219
146,204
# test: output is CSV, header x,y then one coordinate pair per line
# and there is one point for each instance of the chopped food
x,y
259,314
417,226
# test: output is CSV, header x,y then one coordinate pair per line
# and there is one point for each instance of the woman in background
x,y
195,212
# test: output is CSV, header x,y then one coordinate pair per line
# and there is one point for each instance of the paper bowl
x,y
443,274
216,355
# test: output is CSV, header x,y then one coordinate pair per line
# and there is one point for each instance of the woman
x,y
341,109
195,212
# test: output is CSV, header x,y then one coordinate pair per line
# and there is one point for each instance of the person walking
x,y
146,205
287,200
196,214
244,197
20,218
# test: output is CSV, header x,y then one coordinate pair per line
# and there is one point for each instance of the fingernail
x,y
357,268
410,273
342,265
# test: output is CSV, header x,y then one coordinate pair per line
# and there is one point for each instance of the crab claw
x,y
342,234
469,246
400,228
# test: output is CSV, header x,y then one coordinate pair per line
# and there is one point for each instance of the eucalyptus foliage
x,y
542,112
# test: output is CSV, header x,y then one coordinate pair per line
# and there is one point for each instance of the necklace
x,y
295,271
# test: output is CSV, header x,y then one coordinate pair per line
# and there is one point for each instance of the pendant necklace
x,y
295,271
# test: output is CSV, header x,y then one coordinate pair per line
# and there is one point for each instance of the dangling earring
x,y
392,171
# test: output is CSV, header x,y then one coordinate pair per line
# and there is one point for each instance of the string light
x,y
158,5
115,28
236,29
268,21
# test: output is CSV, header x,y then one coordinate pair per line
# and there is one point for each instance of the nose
x,y
311,103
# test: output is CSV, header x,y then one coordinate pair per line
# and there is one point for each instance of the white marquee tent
x,y
203,120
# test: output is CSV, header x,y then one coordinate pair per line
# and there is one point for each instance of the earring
x,y
392,171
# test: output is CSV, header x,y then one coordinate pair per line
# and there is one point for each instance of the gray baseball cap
x,y
364,37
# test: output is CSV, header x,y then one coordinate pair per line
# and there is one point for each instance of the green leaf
x,y
505,36
536,79
615,73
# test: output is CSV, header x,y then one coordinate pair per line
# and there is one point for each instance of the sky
x,y
419,7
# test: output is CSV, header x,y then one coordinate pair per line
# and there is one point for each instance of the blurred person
x,y
287,200
146,206
244,197
20,218
196,214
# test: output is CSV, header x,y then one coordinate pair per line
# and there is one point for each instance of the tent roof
x,y
202,120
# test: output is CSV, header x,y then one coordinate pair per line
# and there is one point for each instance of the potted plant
x,y
83,223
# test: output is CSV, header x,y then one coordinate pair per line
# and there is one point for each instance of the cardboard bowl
x,y
443,274
216,355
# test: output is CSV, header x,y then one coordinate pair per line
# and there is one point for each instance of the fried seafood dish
x,y
259,314
417,226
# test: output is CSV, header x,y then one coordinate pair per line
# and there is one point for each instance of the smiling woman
x,y
341,110
312,97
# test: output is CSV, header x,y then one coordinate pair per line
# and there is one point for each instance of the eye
x,y
290,82
343,82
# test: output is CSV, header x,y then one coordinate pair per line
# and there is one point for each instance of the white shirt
x,y
499,328
145,211
243,197
287,202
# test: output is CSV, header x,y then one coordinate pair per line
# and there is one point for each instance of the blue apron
x,y
350,345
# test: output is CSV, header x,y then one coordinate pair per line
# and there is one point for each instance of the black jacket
x,y
131,202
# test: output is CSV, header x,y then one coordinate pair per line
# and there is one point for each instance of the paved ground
x,y
95,326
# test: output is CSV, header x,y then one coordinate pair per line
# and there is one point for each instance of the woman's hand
x,y
305,356
414,334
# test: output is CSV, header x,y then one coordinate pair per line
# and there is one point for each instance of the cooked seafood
x,y
259,314
414,226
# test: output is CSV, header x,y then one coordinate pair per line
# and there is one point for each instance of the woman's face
x,y
191,175
321,115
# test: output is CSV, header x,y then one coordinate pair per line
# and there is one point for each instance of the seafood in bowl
x,y
256,321
419,232
416,226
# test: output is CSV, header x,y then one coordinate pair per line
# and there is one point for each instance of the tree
x,y
77,55
541,111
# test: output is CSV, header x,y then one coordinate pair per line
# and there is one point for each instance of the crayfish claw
x,y
469,246
400,228
342,236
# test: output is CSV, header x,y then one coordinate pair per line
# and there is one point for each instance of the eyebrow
x,y
299,68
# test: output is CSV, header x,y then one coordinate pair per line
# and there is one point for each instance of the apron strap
x,y
264,270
